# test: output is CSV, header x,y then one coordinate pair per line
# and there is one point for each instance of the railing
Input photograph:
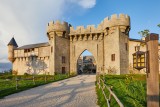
x,y
15,82
111,93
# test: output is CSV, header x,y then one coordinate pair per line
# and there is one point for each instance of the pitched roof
x,y
13,42
34,45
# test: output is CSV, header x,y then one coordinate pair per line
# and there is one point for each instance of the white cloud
x,y
27,19
87,3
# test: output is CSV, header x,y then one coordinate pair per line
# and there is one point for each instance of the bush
x,y
14,72
26,74
111,70
6,77
72,74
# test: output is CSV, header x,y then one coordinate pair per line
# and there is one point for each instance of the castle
x,y
109,43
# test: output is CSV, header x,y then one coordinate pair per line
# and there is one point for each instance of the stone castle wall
x,y
110,37
21,59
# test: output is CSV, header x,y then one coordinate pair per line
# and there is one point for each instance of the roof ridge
x,y
34,45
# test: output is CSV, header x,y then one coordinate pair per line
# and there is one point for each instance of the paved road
x,y
78,91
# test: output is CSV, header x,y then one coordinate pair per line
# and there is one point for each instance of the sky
x,y
26,20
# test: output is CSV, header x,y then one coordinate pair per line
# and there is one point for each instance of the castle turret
x,y
116,30
11,46
58,34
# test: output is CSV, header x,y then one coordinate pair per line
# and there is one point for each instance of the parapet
x,y
58,26
116,20
83,30
121,20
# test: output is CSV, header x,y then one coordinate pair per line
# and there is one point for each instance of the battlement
x,y
115,20
58,26
85,30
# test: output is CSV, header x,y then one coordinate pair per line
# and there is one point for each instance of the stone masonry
x,y
109,43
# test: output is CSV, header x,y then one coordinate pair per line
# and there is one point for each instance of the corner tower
x,y
11,46
58,35
116,42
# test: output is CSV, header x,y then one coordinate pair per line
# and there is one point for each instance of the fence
x,y
102,86
10,84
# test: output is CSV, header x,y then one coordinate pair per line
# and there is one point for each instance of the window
x,y
126,45
63,59
25,51
135,48
63,70
51,49
113,57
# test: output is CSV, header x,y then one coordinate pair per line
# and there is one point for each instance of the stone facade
x,y
109,43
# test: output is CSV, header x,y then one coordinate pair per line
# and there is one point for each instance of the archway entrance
x,y
86,63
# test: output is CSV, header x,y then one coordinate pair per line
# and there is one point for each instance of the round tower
x,y
11,46
122,21
58,34
116,30
57,28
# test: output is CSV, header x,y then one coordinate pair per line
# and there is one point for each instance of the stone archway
x,y
93,45
86,64
108,42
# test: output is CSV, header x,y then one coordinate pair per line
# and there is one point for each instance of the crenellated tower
x,y
11,46
58,35
116,42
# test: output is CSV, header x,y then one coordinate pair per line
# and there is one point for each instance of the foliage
x,y
144,33
72,74
130,89
6,72
111,70
158,25
8,82
14,72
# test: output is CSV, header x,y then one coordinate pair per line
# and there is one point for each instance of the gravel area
x,y
78,91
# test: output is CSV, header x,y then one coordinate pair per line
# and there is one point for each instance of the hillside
x,y
5,66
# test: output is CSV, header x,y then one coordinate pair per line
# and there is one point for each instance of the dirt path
x,y
78,91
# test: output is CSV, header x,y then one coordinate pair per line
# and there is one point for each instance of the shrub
x,y
14,72
73,74
26,74
111,70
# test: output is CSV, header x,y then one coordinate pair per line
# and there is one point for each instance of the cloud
x,y
27,19
84,3
87,3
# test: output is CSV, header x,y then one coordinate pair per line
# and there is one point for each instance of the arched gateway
x,y
108,43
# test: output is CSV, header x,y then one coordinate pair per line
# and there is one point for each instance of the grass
x,y
8,82
130,89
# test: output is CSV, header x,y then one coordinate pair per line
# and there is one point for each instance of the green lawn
x,y
130,89
8,82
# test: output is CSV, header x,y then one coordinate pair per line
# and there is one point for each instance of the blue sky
x,y
144,14
27,19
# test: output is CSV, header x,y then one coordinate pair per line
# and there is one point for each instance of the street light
x,y
139,59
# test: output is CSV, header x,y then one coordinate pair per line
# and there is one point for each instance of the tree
x,y
158,25
144,33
